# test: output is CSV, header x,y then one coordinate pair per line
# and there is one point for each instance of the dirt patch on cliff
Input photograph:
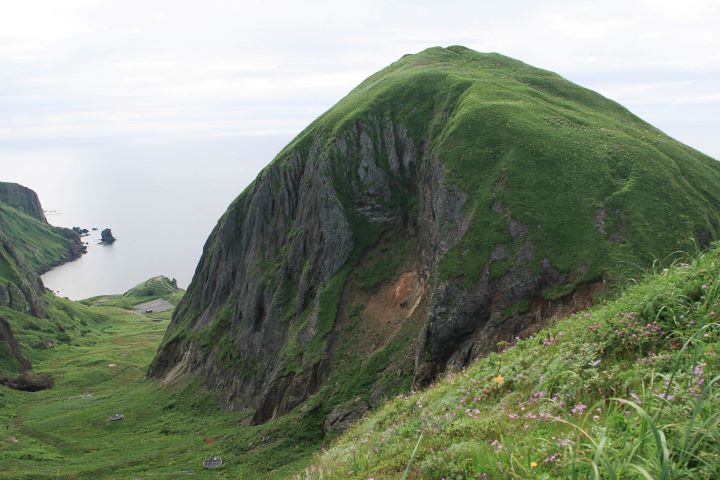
x,y
384,311
582,298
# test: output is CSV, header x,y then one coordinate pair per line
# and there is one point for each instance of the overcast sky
x,y
74,70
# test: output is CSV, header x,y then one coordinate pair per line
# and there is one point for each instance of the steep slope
x,y
23,199
44,246
20,286
29,246
629,388
452,200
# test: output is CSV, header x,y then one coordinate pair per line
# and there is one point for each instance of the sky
x,y
90,70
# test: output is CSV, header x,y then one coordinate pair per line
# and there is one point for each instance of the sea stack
x,y
106,237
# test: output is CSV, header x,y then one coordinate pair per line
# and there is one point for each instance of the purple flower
x,y
578,409
565,442
552,458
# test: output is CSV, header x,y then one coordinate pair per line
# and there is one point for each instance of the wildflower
x,y
578,409
498,446
499,379
667,397
533,464
596,363
552,458
565,442
704,287
538,395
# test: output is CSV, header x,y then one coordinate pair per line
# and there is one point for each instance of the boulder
x,y
344,415
30,382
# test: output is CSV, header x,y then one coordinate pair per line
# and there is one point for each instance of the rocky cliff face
x,y
451,201
20,287
23,199
12,349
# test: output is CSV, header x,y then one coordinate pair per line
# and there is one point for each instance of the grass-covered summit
x,y
452,200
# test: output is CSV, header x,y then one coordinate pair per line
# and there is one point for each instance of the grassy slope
x,y
551,151
154,288
57,434
167,430
628,387
40,243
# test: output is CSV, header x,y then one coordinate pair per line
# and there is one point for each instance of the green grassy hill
x,y
43,245
23,199
29,246
626,390
452,200
155,288
560,158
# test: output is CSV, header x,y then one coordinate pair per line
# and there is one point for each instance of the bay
x,y
160,198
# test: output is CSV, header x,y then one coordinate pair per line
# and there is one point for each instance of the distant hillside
x,y
29,246
154,288
43,245
23,199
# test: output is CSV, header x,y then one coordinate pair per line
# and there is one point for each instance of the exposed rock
x,y
13,347
24,292
620,226
344,415
23,199
29,382
106,237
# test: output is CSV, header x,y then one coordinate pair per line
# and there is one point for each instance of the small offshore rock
x,y
106,237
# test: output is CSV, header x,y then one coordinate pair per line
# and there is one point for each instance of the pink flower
x,y
578,409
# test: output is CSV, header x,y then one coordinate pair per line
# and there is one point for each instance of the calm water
x,y
161,201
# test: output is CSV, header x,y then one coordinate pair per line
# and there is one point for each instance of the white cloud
x,y
93,68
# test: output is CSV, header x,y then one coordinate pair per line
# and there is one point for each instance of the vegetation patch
x,y
628,389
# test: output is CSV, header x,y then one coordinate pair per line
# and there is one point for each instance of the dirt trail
x,y
154,306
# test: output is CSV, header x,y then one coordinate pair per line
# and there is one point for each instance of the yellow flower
x,y
533,464
499,379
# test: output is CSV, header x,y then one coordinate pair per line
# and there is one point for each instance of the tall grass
x,y
628,390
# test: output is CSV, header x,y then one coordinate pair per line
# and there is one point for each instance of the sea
x,y
160,198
